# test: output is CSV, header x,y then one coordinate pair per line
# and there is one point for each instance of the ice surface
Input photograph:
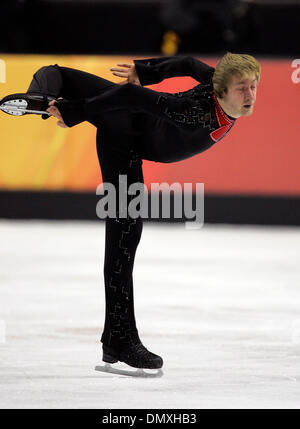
x,y
221,305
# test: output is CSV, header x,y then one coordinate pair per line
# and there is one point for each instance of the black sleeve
x,y
154,70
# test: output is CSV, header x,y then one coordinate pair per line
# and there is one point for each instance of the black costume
x,y
135,123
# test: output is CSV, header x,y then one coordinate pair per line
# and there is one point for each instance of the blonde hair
x,y
233,65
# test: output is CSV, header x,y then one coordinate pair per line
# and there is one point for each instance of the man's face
x,y
241,95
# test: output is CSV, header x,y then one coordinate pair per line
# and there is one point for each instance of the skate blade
x,y
135,372
19,108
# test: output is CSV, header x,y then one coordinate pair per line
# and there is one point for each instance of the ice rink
x,y
220,304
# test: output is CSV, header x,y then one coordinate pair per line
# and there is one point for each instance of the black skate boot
x,y
136,356
24,104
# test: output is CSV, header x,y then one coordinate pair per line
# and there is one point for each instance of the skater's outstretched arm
x,y
154,70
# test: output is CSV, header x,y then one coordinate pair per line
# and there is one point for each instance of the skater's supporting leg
x,y
122,238
120,336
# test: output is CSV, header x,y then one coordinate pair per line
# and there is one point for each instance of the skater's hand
x,y
128,71
55,112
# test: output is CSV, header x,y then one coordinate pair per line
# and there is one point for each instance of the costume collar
x,y
222,117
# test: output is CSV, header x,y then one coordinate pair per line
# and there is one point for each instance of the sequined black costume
x,y
165,127
135,123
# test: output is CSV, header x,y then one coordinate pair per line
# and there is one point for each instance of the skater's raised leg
x,y
53,82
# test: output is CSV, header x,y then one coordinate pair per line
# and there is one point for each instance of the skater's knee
x,y
47,80
45,69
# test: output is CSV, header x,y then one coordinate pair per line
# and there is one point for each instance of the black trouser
x,y
117,156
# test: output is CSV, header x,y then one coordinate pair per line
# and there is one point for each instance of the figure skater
x,y
135,123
